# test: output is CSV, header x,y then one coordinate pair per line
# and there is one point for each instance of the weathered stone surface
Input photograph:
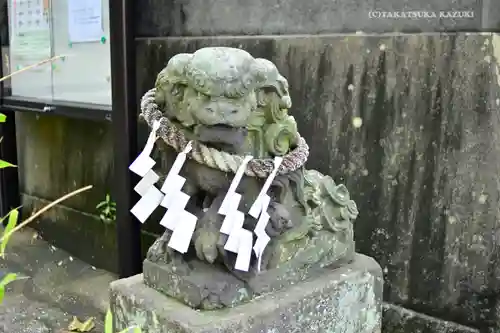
x,y
196,283
347,299
206,286
199,98
157,18
424,164
397,319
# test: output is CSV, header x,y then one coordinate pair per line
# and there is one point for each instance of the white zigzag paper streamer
x,y
177,219
143,163
183,223
256,208
174,182
259,211
260,231
142,166
239,240
232,199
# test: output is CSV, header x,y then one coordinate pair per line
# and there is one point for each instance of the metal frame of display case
x,y
125,104
61,108
124,123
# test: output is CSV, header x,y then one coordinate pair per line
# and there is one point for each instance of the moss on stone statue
x,y
233,105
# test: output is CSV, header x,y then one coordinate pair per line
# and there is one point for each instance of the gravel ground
x,y
52,289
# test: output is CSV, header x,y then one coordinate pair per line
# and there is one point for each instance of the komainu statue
x,y
228,112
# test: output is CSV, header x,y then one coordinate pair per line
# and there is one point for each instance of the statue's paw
x,y
205,243
279,221
159,251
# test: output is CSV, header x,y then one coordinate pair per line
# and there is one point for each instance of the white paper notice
x,y
85,20
147,204
146,182
181,237
244,250
30,40
29,16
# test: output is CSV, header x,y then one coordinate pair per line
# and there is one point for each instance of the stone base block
x,y
344,300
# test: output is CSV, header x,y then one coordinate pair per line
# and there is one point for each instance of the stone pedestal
x,y
344,300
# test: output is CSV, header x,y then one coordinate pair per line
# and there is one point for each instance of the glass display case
x,y
58,55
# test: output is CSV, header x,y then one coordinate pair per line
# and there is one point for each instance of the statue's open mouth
x,y
223,137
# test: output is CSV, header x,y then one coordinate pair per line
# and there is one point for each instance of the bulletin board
x,y
30,42
75,30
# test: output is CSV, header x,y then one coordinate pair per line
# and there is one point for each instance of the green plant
x,y
12,221
12,227
9,277
107,210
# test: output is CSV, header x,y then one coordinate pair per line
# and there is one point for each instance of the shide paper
x,y
260,231
259,211
239,240
142,166
244,250
257,206
229,199
181,222
143,163
146,183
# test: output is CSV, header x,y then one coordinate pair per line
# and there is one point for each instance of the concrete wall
x,y
57,155
280,17
423,167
